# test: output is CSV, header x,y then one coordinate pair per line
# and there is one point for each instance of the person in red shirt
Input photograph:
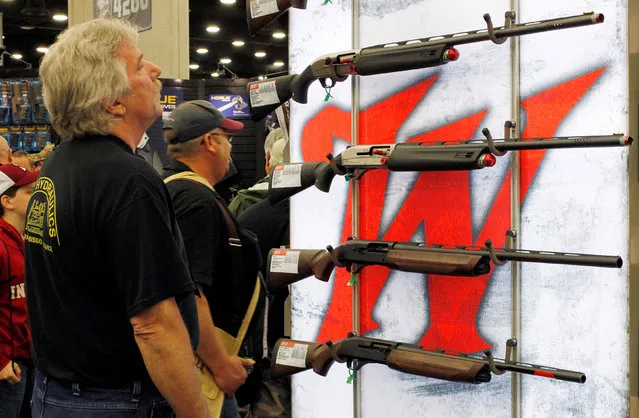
x,y
16,368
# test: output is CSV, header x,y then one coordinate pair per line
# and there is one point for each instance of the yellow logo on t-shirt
x,y
41,227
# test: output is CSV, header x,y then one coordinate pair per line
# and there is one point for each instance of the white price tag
x,y
284,261
292,354
288,175
264,93
261,8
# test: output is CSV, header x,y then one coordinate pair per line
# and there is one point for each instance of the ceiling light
x,y
279,35
194,66
27,27
213,29
202,51
42,49
260,54
238,43
225,60
17,56
261,78
278,64
60,17
215,74
227,1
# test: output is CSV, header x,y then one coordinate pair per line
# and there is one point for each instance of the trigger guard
x,y
323,82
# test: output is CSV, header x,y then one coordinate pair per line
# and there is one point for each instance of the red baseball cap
x,y
12,175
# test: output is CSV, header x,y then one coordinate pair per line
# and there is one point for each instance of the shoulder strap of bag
x,y
234,241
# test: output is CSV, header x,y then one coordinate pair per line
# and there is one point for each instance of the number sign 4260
x,y
124,8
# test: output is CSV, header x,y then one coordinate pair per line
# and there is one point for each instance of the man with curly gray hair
x,y
111,302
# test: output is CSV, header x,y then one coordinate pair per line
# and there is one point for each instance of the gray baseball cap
x,y
197,117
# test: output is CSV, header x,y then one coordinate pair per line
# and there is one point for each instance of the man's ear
x,y
6,202
116,109
210,143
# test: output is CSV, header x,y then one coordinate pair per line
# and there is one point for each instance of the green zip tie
x,y
328,94
348,176
351,376
352,280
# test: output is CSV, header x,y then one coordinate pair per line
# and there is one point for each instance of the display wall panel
x,y
318,217
562,71
451,102
576,317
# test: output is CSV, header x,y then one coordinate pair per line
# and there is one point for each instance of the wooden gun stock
x,y
292,356
446,264
289,266
423,364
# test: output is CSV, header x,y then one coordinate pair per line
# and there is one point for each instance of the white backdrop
x,y
572,82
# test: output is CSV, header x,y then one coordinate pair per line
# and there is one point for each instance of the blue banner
x,y
170,98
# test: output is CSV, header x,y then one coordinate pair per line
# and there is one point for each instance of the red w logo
x,y
441,200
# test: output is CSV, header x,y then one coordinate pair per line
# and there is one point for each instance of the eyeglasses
x,y
226,135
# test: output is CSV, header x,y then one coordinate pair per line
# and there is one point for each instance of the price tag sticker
x,y
284,261
263,94
292,354
261,8
287,175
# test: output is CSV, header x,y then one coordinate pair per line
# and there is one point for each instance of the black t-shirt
x,y
206,234
101,245
270,223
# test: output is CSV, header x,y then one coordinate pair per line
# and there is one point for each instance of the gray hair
x,y
176,149
277,153
80,76
274,136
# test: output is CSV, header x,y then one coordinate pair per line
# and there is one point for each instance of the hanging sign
x,y
137,12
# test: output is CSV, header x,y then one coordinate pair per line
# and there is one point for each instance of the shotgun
x,y
293,356
289,179
286,266
267,95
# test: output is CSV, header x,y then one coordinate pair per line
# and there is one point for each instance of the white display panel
x,y
576,317
313,32
573,82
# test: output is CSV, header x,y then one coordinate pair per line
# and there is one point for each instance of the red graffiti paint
x,y
439,200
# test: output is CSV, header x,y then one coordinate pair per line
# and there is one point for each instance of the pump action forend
x,y
286,266
292,356
265,96
290,179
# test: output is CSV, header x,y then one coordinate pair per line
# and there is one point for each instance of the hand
x,y
231,373
11,373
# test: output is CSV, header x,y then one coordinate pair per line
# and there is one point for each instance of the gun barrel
x,y
531,256
517,144
480,35
542,371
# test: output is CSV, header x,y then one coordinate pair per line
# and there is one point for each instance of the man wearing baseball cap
x,y
198,139
16,367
